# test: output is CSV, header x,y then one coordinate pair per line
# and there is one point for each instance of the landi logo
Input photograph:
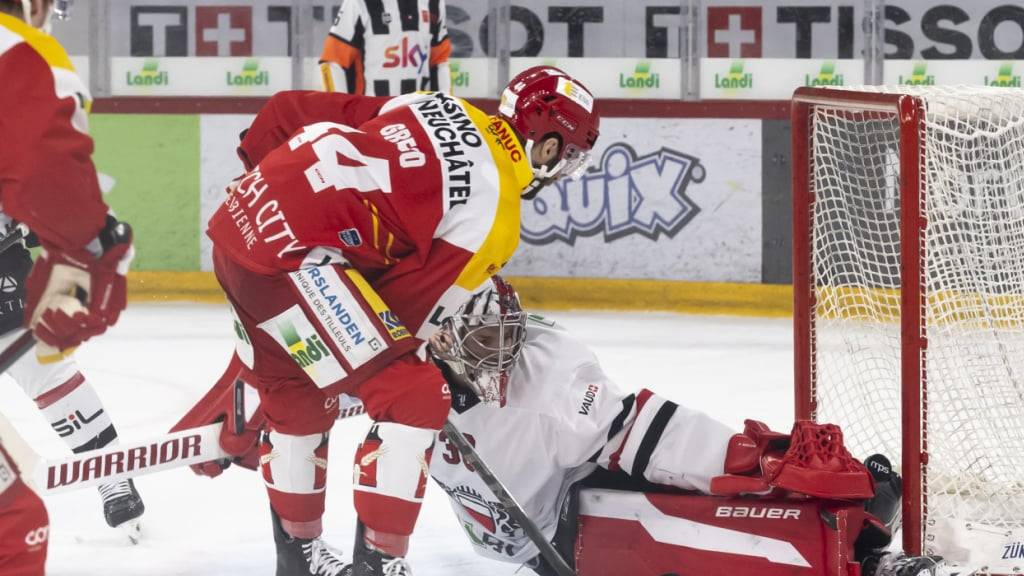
x,y
626,194
1004,78
641,77
918,76
826,76
305,352
735,79
149,75
251,75
460,77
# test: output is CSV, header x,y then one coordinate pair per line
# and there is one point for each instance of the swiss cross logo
x,y
223,31
734,31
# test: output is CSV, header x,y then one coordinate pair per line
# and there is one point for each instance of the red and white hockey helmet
x,y
543,101
486,337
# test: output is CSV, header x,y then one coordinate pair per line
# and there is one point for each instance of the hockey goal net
x,y
909,300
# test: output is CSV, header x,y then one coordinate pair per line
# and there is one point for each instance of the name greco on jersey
x,y
409,155
268,216
452,129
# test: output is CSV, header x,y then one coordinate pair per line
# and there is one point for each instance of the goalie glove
x,y
74,295
811,460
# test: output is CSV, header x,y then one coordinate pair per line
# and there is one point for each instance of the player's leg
x,y
74,410
24,524
312,334
408,401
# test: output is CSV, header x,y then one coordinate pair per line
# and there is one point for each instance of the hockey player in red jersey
x,y
523,376
76,288
360,225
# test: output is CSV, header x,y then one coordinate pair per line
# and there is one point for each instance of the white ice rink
x,y
161,358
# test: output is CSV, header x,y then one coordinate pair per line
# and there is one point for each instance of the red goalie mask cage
x,y
908,278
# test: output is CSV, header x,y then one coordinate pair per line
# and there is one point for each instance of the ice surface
x,y
159,359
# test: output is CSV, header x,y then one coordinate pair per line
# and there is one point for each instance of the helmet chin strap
x,y
542,175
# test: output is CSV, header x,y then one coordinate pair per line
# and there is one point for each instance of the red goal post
x,y
908,280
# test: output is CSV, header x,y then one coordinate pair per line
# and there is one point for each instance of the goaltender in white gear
x,y
562,419
543,416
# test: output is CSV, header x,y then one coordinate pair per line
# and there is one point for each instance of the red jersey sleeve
x,y
47,178
288,111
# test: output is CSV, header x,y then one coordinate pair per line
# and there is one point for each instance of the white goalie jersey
x,y
563,419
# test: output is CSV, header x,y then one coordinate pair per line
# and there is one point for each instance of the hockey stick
x,y
547,550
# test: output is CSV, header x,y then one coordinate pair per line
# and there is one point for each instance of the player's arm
x,y
47,178
341,62
288,111
48,182
440,48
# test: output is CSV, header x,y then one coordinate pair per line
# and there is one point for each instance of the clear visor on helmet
x,y
577,160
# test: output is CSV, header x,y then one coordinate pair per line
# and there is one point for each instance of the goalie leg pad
x,y
389,480
295,471
643,534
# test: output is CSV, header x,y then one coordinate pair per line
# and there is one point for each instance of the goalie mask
x,y
483,339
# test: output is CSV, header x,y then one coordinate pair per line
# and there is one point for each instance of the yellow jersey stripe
x,y
44,44
503,237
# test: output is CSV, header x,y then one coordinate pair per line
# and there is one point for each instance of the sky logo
x,y
622,196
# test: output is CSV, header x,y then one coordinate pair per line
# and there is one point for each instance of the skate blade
x,y
133,530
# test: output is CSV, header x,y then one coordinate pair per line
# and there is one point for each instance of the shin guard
x,y
295,471
390,478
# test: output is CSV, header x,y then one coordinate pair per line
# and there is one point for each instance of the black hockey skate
x,y
370,562
902,565
123,507
302,557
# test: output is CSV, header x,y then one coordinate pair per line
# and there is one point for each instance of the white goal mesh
x,y
972,258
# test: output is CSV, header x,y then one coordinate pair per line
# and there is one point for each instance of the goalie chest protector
x,y
643,534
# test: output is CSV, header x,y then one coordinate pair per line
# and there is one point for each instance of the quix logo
x,y
918,76
251,75
1005,78
149,75
826,76
624,195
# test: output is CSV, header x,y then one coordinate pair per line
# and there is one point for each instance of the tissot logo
x,y
624,195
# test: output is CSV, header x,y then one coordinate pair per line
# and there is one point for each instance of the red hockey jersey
x,y
422,197
47,178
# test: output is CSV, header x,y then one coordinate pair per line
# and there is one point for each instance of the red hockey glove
x,y
241,422
75,295
811,461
